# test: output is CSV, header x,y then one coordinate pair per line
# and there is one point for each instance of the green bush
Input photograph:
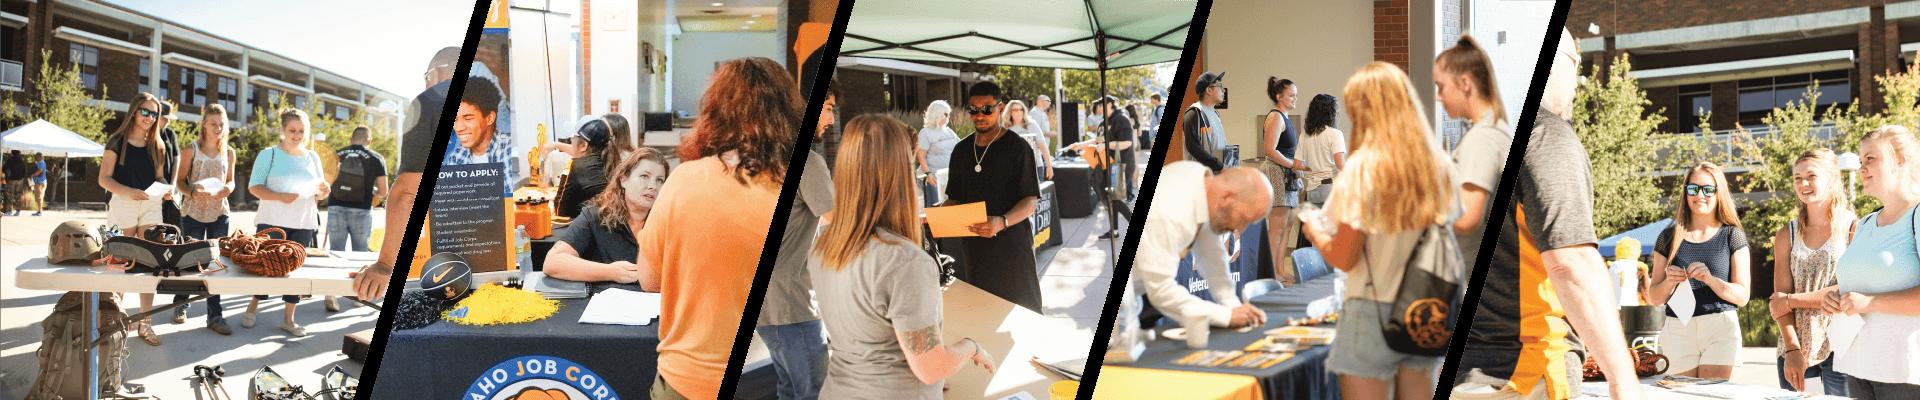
x,y
1756,327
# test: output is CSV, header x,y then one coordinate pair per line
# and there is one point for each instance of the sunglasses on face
x,y
982,110
149,113
1701,190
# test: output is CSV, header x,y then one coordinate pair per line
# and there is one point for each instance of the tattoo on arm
x,y
920,340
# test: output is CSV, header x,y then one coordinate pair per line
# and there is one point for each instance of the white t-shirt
x,y
1318,151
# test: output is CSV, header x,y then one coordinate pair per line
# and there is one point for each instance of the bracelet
x,y
1790,351
976,346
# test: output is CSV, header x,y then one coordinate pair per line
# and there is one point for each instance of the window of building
x,y
166,76
146,73
199,89
1758,97
87,59
229,93
341,112
1696,101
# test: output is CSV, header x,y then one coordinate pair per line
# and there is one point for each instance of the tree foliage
x,y
1613,119
1025,83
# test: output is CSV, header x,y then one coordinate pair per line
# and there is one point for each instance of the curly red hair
x,y
753,107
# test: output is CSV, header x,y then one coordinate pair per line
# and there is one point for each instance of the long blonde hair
x,y
1393,155
212,112
1823,160
295,114
1724,208
1006,117
873,190
156,145
1904,146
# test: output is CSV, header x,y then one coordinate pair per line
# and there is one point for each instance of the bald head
x,y
1238,196
1563,79
440,68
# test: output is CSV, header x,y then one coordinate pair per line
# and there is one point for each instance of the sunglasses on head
x,y
982,110
149,113
1701,190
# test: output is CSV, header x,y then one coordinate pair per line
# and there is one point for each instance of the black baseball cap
x,y
593,129
1208,80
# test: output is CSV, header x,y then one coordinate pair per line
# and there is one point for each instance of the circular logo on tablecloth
x,y
539,378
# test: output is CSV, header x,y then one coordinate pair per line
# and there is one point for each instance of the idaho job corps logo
x,y
539,378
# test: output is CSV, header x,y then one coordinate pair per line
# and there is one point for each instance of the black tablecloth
x,y
1073,189
1305,376
442,360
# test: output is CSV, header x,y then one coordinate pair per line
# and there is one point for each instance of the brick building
x,y
123,52
1732,62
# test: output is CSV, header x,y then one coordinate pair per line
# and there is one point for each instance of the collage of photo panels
x,y
985,199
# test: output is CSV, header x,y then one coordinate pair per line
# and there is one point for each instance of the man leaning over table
x,y
423,115
1193,209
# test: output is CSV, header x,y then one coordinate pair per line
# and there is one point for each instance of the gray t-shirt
x,y
938,142
890,287
1478,161
789,300
1552,208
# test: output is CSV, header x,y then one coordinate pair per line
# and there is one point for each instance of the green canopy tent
x,y
1087,34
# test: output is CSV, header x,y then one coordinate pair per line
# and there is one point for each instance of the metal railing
x,y
1723,146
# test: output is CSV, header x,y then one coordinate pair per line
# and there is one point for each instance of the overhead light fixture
x,y
750,22
718,4
756,15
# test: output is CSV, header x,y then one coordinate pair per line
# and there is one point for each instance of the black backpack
x,y
353,184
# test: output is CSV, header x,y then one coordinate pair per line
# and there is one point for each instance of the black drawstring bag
x,y
1421,320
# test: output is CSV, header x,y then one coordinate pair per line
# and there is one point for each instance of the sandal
x,y
147,335
246,320
333,304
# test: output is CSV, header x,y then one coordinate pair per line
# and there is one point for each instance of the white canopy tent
x,y
51,140
1086,34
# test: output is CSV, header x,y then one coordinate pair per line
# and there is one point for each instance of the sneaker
x,y
246,320
180,315
293,329
220,327
333,304
36,213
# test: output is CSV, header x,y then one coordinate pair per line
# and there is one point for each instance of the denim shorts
x,y
1359,350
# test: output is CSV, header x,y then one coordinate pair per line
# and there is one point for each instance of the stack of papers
x,y
555,288
621,307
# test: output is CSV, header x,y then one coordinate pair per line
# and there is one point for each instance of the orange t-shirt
x,y
703,238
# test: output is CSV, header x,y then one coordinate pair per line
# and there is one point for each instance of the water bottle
x,y
1339,289
523,248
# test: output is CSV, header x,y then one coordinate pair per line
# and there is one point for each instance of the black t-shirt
x,y
1552,208
1289,139
598,243
1119,127
1002,265
133,165
1716,253
16,168
423,120
584,181
367,166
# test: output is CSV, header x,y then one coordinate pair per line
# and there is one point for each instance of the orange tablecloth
x,y
1134,383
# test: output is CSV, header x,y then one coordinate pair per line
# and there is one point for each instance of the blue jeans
x,y
1833,382
348,225
799,357
302,236
929,194
194,229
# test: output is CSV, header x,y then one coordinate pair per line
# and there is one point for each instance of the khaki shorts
x,y
127,213
662,391
1712,339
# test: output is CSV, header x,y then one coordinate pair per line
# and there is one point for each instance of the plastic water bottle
x,y
1339,290
522,248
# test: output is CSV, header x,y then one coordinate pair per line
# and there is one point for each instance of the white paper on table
x,y
210,185
1841,330
158,189
1019,396
621,307
1682,301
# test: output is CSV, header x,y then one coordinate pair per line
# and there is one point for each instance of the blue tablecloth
x,y
1305,376
442,360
